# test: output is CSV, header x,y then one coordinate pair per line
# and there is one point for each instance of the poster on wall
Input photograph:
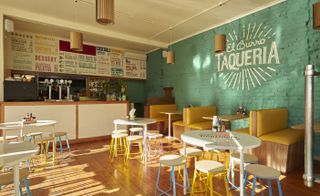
x,y
135,68
103,61
42,53
251,57
46,54
117,69
21,51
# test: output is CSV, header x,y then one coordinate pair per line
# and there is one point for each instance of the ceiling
x,y
140,25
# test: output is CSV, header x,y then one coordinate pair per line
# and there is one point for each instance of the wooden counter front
x,y
81,119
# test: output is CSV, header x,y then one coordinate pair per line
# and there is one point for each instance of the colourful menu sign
x,y
43,53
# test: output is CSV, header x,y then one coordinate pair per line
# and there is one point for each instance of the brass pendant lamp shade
x,y
105,11
316,15
170,57
76,39
219,43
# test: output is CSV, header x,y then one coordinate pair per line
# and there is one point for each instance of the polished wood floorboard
x,y
88,171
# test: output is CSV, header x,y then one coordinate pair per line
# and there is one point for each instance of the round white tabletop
x,y
20,124
11,154
221,140
136,121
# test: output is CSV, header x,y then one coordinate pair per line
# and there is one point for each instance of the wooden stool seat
x,y
119,135
134,138
208,166
136,129
172,160
60,133
191,152
120,131
262,171
154,135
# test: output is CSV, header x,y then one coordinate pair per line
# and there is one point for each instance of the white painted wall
x,y
97,119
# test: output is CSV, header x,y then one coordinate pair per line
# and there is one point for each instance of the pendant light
x,y
76,38
170,53
105,11
316,15
219,43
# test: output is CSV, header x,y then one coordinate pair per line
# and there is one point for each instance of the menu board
x,y
32,52
135,68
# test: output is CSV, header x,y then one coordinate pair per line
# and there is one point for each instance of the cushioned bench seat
x,y
201,125
286,136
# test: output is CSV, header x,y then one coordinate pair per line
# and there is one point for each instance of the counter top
x,y
23,103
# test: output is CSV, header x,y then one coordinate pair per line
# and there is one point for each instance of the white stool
x,y
210,168
117,144
134,130
120,131
59,135
156,137
235,158
171,161
129,141
190,153
263,172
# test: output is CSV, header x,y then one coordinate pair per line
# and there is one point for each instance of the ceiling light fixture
x,y
76,41
219,43
76,38
105,11
170,53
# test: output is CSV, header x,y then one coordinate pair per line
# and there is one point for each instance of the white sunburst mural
x,y
251,57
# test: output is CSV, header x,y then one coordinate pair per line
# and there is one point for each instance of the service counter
x,y
83,120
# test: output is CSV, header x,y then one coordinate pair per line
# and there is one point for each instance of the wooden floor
x,y
88,171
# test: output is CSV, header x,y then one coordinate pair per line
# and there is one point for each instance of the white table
x,y
169,121
11,154
137,122
221,141
9,126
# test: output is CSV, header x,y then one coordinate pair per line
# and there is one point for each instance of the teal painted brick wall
x,y
195,76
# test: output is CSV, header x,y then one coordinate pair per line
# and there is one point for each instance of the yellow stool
x,y
205,170
190,153
44,143
137,139
118,143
